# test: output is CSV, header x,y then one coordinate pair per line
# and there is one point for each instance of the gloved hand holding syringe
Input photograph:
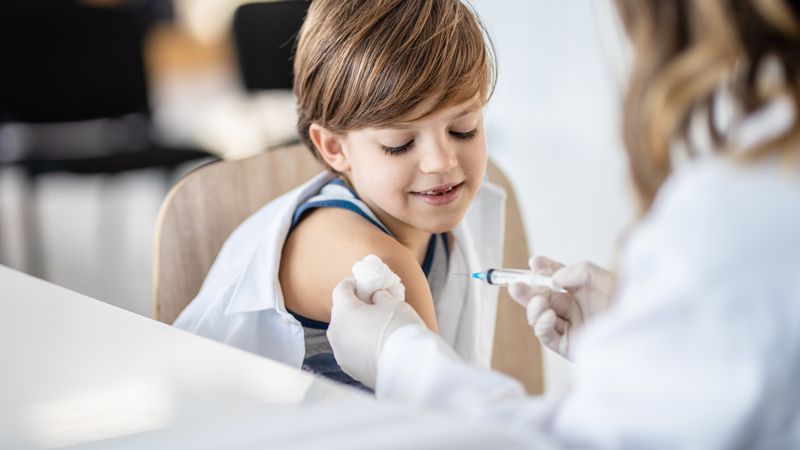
x,y
558,299
507,277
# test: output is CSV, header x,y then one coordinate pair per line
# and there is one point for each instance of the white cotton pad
x,y
372,275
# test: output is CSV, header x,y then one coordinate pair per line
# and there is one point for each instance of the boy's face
x,y
422,174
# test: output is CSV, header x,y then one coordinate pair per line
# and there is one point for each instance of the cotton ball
x,y
373,275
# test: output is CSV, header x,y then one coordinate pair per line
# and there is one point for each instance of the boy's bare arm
x,y
321,251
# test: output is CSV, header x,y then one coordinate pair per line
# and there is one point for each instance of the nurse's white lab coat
x,y
700,350
241,302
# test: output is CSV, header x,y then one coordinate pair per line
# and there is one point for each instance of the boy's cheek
x,y
475,165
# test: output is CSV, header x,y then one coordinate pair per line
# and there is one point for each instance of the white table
x,y
77,372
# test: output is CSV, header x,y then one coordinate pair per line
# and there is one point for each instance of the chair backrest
x,y
516,349
264,36
204,207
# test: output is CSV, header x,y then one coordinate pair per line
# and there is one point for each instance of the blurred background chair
x,y
264,37
74,96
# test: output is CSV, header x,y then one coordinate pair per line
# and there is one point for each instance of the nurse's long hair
x,y
686,52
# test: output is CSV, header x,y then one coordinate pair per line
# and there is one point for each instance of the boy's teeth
x,y
440,191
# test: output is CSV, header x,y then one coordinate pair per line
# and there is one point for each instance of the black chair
x,y
74,79
264,36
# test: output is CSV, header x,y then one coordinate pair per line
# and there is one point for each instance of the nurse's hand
x,y
556,317
366,310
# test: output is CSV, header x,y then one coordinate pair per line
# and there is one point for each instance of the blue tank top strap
x,y
428,261
337,194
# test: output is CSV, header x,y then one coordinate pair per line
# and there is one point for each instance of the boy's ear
x,y
329,145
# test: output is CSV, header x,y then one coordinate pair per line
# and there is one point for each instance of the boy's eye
x,y
465,135
398,150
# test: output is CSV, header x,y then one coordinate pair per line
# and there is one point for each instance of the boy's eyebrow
x,y
469,109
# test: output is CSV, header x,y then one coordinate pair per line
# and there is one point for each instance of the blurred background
x,y
104,104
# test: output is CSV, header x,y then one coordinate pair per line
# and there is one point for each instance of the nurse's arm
x,y
419,368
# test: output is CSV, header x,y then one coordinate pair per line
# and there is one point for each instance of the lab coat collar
x,y
257,285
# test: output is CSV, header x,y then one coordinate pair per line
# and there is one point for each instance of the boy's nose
x,y
439,157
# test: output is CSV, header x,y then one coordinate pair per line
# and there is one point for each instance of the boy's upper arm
x,y
321,252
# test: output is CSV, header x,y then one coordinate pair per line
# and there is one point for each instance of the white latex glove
x,y
556,317
366,310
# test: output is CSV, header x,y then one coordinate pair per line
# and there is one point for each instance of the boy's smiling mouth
x,y
440,195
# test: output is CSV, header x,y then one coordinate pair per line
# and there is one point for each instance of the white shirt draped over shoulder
x,y
701,348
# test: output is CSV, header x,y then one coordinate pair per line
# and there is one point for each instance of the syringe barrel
x,y
507,277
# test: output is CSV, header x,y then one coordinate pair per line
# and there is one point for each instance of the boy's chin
x,y
444,224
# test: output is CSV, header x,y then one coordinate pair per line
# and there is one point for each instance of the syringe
x,y
507,277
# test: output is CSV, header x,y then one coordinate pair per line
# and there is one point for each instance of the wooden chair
x,y
516,350
204,207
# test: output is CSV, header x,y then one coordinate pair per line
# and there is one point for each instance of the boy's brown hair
x,y
367,63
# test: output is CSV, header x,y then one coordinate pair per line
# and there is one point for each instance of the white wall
x,y
552,125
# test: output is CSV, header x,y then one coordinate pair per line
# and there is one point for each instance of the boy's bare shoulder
x,y
321,251
337,232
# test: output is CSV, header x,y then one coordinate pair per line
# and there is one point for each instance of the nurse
x,y
697,343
